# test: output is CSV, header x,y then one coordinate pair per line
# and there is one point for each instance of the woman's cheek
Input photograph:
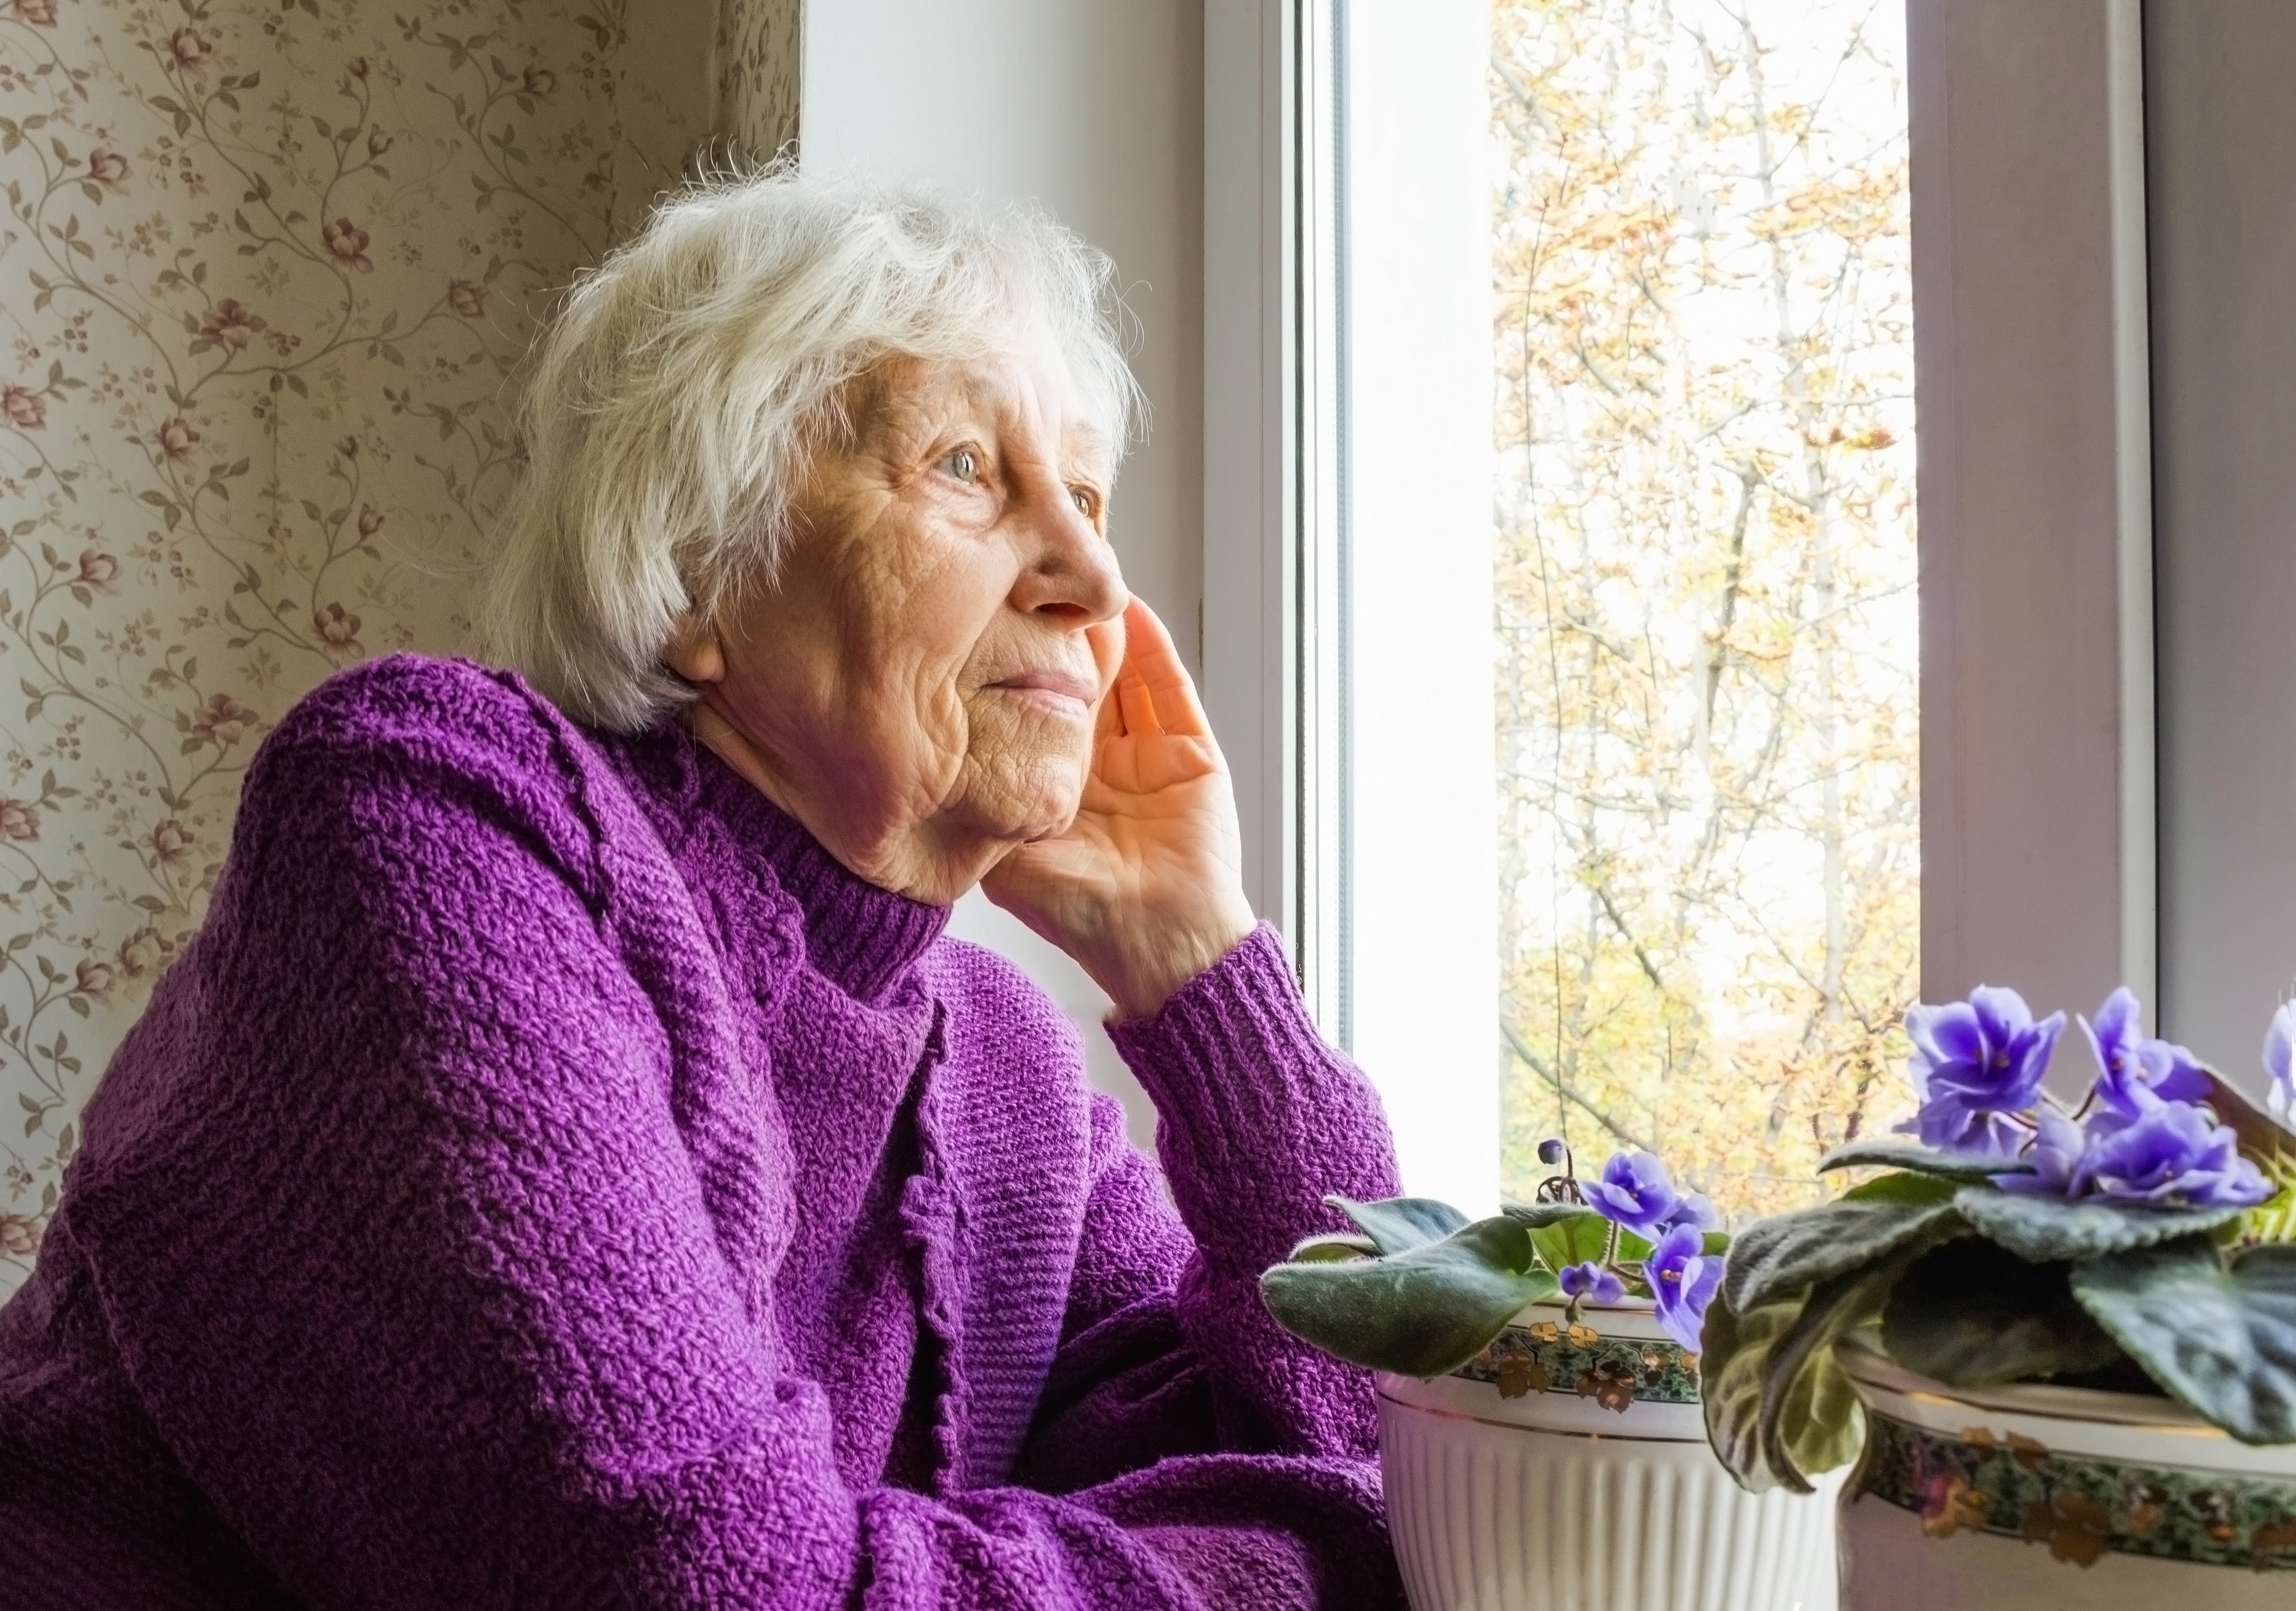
x,y
939,737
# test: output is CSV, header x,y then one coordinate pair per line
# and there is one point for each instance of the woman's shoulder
x,y
421,704
411,739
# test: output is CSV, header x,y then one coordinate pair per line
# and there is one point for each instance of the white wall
x,y
1095,109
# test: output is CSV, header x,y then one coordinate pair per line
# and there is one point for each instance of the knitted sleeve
x,y
409,1264
1170,1348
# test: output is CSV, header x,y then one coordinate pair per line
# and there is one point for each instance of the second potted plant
x,y
2065,1338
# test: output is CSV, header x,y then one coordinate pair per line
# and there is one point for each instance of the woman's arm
x,y
1257,1118
1257,1121
1169,1349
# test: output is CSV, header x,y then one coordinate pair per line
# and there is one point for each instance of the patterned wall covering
x,y
760,46
265,267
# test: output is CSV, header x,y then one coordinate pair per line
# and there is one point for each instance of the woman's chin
x,y
1029,789
1048,815
1047,818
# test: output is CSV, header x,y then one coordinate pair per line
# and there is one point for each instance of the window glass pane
x,y
1706,611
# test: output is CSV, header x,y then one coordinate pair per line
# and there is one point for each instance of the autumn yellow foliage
x,y
1707,625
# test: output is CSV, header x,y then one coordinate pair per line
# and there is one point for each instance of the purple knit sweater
x,y
550,1180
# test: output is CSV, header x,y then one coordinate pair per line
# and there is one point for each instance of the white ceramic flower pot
x,y
2056,1499
1570,1473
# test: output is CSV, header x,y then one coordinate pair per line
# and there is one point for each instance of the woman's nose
x,y
1069,571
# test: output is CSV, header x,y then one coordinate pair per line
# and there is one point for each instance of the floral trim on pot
x,y
1616,1372
2083,1508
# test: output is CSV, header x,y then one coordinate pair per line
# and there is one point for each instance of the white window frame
x,y
2040,849
1398,950
1250,458
2222,225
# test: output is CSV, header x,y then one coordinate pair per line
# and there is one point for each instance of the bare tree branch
x,y
1565,1089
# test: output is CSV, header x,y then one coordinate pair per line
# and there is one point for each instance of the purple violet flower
x,y
1696,1209
1683,1278
1634,1191
1975,1063
2174,1154
2055,1157
2279,1054
2126,1060
1591,1281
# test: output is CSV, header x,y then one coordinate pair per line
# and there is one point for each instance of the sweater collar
x,y
859,936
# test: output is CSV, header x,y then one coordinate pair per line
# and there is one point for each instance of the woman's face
x,y
919,685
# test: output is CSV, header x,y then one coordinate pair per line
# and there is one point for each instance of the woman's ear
x,y
694,650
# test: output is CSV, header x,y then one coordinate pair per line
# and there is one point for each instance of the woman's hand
x,y
1145,888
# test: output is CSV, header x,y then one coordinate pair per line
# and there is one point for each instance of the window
x,y
1353,238
1686,436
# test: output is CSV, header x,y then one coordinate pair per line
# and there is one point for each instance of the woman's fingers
x,y
1138,705
1152,663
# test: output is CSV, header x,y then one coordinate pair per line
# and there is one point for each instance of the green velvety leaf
x,y
1533,1215
1809,1421
1905,1186
1570,1233
1734,1349
1421,1312
1973,1314
1398,1224
1778,1406
1573,1238
1821,1425
1335,1246
1905,1155
1777,1257
2042,1231
2222,1340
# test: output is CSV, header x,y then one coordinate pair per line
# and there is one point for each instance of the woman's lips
x,y
1056,693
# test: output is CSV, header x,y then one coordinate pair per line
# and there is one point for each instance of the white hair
x,y
673,400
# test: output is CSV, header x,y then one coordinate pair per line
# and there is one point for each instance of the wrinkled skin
x,y
948,683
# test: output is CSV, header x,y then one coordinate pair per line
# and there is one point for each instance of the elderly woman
x,y
573,1168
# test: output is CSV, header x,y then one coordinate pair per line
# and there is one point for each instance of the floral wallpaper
x,y
266,269
759,51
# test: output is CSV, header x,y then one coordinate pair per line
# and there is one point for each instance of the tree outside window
x,y
1707,618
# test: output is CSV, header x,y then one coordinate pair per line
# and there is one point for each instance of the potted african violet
x,y
2064,1336
1541,1435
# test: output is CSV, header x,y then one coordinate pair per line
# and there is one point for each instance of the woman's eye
x,y
963,464
1083,501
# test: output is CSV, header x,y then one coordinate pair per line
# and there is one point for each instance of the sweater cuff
x,y
1257,1118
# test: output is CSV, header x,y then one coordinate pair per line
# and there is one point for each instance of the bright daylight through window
x,y
1708,754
